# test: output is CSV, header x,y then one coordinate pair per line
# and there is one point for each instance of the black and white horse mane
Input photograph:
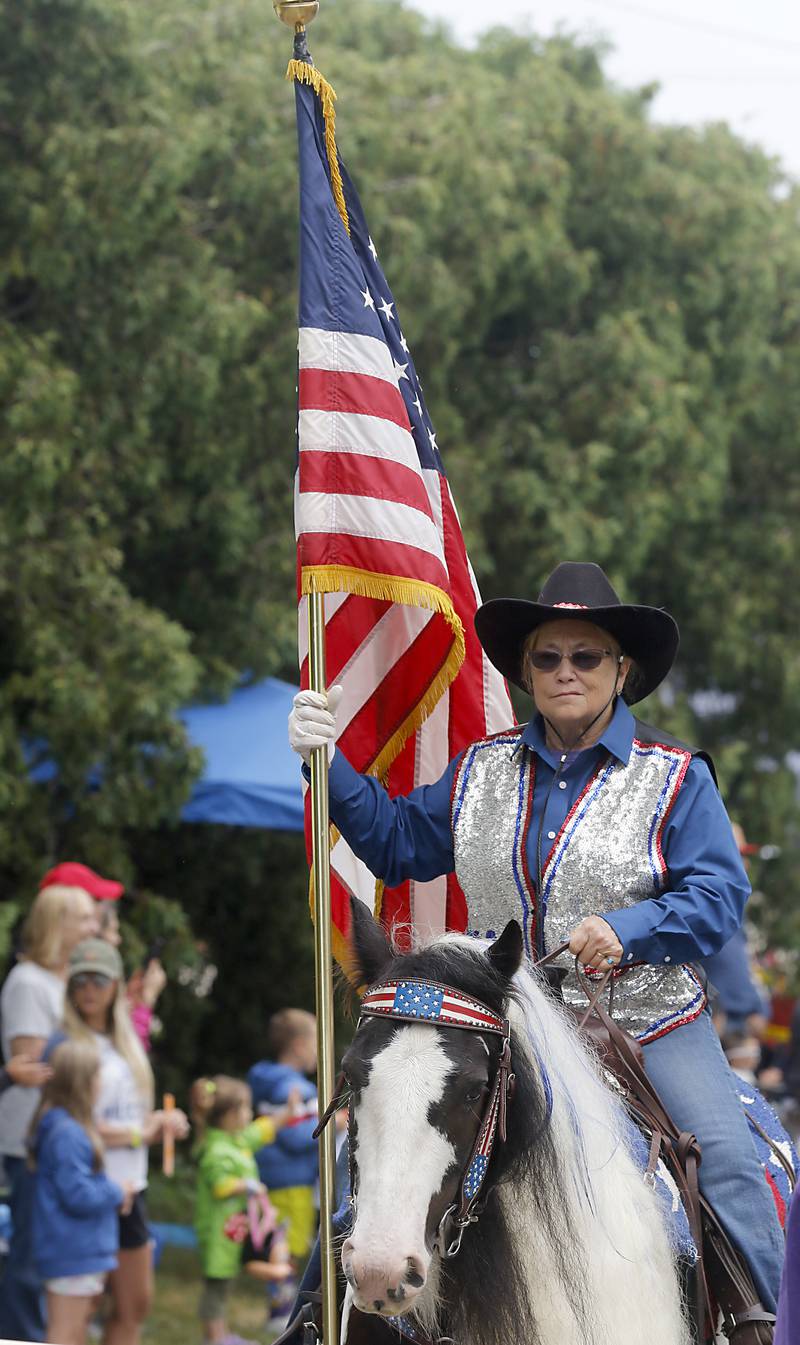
x,y
485,1294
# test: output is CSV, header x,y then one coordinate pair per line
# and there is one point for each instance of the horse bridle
x,y
420,1001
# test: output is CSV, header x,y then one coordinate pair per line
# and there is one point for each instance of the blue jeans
x,y
699,1090
21,1291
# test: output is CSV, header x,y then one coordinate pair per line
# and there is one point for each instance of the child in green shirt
x,y
227,1177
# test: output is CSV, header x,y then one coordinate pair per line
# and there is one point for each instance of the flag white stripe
x,y
346,352
431,754
431,479
363,516
349,432
354,873
499,712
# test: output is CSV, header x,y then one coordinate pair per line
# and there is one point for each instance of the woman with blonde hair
x,y
30,1009
96,1011
75,1223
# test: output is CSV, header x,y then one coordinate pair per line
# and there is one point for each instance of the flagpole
x,y
323,964
296,14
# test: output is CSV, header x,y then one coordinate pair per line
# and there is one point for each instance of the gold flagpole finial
x,y
296,14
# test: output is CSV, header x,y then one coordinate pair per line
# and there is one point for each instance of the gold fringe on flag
x,y
410,593
308,74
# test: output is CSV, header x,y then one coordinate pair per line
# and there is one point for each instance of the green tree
x,y
605,315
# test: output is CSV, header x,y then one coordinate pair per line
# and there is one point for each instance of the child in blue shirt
x,y
289,1168
75,1227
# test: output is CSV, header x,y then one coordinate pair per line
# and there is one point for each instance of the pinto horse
x,y
571,1245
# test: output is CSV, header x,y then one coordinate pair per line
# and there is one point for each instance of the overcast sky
x,y
716,60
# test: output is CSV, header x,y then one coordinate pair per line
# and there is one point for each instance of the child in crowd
x,y
75,1220
290,1166
228,1176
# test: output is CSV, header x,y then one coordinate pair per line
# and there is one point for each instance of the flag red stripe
x,y
347,629
329,390
358,474
467,706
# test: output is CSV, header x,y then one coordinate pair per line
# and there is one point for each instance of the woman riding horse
x,y
589,826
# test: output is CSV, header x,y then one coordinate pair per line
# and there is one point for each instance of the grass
x,y
174,1318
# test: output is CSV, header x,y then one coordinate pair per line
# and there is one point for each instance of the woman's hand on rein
x,y
594,942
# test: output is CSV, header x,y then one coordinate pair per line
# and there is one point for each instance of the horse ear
x,y
505,954
370,947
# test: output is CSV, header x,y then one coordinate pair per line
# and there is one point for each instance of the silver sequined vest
x,y
606,856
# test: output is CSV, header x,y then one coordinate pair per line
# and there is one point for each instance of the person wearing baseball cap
x,y
96,1009
71,874
106,892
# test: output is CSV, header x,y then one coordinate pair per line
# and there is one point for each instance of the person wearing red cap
x,y
105,891
148,981
70,874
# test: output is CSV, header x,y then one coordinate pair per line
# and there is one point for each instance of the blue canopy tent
x,y
251,776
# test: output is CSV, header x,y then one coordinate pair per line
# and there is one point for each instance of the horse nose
x,y
386,1285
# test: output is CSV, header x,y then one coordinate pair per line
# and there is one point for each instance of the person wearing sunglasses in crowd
x,y
588,826
96,1011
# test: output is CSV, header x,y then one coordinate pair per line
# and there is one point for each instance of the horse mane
x,y
484,1294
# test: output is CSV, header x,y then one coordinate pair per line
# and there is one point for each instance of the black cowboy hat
x,y
580,591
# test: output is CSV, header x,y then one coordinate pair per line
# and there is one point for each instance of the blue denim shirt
x,y
699,910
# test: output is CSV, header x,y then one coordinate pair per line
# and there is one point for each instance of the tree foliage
x,y
605,312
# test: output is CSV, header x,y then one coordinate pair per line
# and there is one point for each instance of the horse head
x,y
419,1097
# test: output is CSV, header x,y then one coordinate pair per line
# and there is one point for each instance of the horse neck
x,y
618,1274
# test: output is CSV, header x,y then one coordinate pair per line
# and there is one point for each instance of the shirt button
x,y
551,835
562,784
667,959
630,957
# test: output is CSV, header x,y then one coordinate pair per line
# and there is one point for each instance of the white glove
x,y
312,722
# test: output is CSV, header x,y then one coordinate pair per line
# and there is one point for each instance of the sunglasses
x,y
582,660
95,978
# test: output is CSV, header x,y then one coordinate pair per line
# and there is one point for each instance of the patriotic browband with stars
x,y
428,1002
411,1001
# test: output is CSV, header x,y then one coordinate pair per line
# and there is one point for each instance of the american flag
x,y
377,530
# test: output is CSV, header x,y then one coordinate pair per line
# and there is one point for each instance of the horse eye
x,y
475,1093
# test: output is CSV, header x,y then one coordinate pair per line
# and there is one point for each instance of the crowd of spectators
x,y
78,1117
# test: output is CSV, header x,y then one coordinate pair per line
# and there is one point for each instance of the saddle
x,y
723,1283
